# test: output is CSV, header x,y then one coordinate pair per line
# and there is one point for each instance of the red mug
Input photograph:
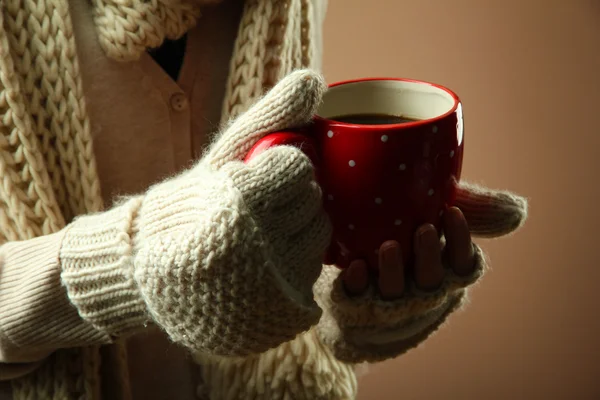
x,y
381,180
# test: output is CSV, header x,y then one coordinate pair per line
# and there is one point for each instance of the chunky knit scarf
x,y
47,166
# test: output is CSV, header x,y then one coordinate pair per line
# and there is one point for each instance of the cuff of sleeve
x,y
97,269
36,316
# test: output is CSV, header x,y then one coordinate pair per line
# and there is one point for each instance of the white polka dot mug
x,y
388,168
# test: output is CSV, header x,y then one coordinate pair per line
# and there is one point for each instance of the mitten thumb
x,y
291,103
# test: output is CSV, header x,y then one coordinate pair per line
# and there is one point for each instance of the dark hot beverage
x,y
373,119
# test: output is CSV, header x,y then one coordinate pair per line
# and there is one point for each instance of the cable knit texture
x,y
302,369
126,29
46,159
212,255
278,34
46,154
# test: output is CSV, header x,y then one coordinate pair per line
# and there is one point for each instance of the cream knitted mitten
x,y
223,257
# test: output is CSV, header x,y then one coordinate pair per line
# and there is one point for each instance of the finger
x,y
429,271
459,248
356,278
391,271
292,102
294,216
491,213
274,177
313,239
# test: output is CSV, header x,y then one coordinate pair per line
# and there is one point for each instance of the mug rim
x,y
403,125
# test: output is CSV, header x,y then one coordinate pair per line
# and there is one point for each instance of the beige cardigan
x,y
146,127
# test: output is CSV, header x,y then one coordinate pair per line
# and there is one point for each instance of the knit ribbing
x,y
96,258
42,316
491,213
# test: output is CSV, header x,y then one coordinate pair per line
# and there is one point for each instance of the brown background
x,y
528,73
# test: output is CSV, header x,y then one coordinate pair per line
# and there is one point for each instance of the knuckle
x,y
322,231
311,200
286,162
294,158
314,239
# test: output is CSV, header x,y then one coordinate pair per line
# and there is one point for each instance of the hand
x,y
250,236
224,256
428,269
405,304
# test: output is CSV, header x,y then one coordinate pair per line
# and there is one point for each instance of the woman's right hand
x,y
224,256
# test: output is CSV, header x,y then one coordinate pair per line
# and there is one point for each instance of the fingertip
x,y
387,245
424,229
425,236
356,277
459,246
456,225
454,211
390,256
454,214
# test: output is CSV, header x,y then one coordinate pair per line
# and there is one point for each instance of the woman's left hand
x,y
430,260
373,317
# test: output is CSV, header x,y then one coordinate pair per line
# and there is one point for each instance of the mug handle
x,y
286,138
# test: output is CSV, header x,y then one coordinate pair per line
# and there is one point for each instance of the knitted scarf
x,y
47,166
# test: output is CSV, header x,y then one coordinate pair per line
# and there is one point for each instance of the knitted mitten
x,y
223,256
369,328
